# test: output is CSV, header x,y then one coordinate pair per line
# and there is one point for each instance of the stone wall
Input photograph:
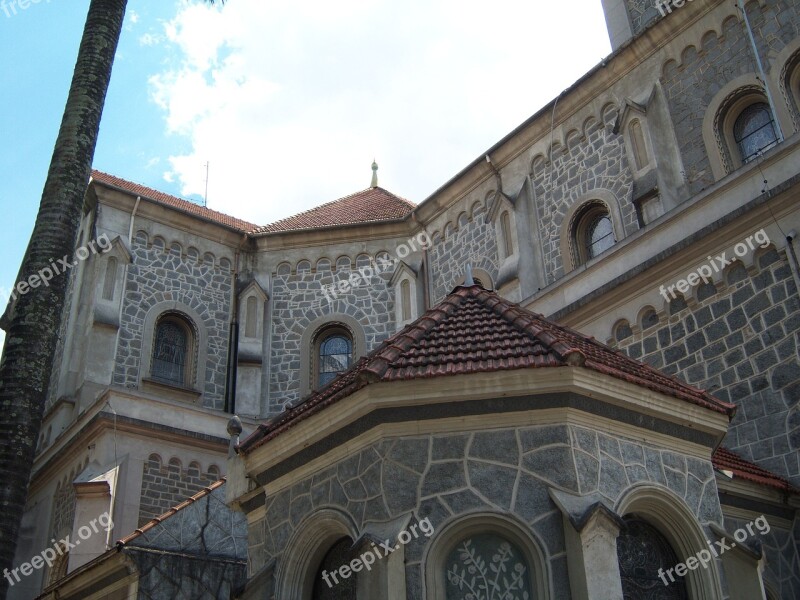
x,y
738,339
692,83
590,161
166,486
166,273
299,300
471,241
508,471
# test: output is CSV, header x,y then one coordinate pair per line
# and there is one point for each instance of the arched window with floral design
x,y
172,349
486,566
334,354
642,551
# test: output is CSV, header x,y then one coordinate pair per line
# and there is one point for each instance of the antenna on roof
x,y
374,183
205,197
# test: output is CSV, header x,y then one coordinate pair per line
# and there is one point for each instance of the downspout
x,y
761,71
233,335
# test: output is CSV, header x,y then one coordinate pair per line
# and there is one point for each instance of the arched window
x,y
334,354
489,567
638,147
328,583
110,279
754,131
645,559
593,233
405,295
505,228
171,350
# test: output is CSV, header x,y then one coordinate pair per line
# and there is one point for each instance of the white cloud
x,y
290,102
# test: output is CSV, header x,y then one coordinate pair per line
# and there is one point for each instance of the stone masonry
x,y
508,470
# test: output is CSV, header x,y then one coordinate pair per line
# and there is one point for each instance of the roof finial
x,y
468,280
374,183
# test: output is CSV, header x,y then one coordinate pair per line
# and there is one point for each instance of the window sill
x,y
171,391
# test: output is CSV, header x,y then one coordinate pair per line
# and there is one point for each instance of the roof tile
x,y
726,460
370,205
173,201
472,331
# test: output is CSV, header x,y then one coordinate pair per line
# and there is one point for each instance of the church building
x,y
571,372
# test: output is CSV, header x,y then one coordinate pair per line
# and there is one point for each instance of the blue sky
x,y
288,102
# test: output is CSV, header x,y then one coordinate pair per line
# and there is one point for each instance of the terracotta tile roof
x,y
373,204
474,330
726,460
153,522
173,201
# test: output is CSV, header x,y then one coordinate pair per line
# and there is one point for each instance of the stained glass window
x,y
599,235
169,352
754,131
487,567
335,356
642,551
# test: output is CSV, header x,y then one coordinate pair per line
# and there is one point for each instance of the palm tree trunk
x,y
34,321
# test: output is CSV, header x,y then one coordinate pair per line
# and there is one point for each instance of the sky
x,y
284,105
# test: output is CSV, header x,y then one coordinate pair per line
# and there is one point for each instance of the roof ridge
x,y
166,199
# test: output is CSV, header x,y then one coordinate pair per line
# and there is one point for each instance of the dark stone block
x,y
742,294
463,501
613,478
721,307
493,482
650,345
674,354
500,446
536,437
677,331
703,316
756,305
736,319
753,347
714,350
664,339
716,330
444,477
399,488
785,374
696,373
739,391
411,453
553,464
532,498
765,360
715,367
450,447
696,341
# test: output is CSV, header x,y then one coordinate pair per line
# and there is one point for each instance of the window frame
x,y
323,334
447,538
176,318
590,213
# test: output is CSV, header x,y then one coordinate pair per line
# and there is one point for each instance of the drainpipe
x,y
233,335
761,71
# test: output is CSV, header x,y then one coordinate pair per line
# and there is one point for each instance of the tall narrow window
x,y
487,566
251,318
505,228
110,279
335,355
405,293
592,233
638,145
642,551
754,131
171,351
